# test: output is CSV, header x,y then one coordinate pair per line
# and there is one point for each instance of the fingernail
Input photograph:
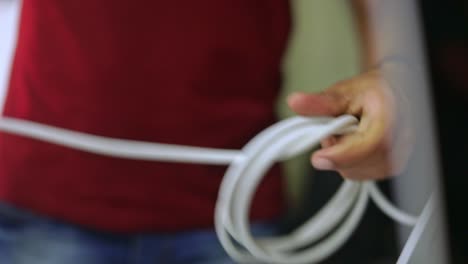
x,y
323,164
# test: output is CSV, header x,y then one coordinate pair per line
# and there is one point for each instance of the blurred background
x,y
324,49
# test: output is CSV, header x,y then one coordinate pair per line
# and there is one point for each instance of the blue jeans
x,y
30,239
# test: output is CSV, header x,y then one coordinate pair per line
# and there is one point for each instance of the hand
x,y
366,153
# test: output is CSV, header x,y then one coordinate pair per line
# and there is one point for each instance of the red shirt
x,y
201,73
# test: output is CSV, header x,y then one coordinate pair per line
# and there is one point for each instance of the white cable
x,y
328,229
130,149
389,209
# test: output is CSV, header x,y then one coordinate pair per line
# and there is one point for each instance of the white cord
x,y
330,227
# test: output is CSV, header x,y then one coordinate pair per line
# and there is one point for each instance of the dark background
x,y
446,32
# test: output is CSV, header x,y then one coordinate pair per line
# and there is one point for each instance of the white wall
x,y
8,22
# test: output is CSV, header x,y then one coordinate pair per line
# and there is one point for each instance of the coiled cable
x,y
328,229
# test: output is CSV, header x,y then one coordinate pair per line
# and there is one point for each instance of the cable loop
x,y
331,226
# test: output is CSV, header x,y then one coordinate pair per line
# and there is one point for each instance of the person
x,y
198,73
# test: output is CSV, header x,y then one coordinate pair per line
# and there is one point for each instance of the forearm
x,y
388,30
391,31
367,39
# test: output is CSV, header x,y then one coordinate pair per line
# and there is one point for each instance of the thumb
x,y
316,104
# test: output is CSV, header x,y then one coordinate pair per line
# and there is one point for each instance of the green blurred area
x,y
323,49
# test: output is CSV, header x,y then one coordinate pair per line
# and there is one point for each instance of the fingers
x,y
370,162
363,154
371,168
328,142
349,151
316,104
